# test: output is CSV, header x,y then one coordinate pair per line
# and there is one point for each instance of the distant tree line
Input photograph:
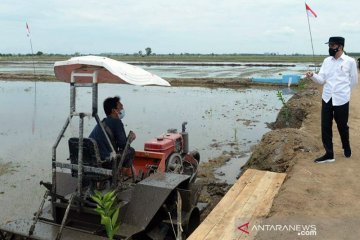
x,y
148,52
39,53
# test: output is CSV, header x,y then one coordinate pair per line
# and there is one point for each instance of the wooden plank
x,y
263,209
243,207
249,199
221,208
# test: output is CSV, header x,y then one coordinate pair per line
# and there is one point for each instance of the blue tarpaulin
x,y
286,79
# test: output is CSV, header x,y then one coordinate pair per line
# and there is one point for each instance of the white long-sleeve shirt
x,y
339,76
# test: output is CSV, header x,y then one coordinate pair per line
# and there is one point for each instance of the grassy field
x,y
181,58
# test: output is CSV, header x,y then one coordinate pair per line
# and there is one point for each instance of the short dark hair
x,y
110,104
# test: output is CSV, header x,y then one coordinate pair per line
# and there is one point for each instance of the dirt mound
x,y
277,150
296,109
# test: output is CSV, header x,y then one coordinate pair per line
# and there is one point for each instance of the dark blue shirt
x,y
117,128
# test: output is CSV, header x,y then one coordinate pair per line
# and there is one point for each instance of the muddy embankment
x,y
277,149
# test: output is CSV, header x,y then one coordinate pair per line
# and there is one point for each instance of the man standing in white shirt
x,y
339,75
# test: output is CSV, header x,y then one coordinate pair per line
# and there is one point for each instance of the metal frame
x,y
80,167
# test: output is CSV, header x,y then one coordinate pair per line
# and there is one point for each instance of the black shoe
x,y
347,152
325,159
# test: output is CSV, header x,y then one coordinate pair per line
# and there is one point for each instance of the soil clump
x,y
278,148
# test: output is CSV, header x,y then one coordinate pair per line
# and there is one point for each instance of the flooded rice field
x,y
212,70
220,122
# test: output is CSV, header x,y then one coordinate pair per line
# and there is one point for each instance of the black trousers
x,y
341,116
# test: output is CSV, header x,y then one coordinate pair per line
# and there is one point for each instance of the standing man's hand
x,y
309,74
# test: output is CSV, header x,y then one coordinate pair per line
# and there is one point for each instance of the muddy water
x,y
220,121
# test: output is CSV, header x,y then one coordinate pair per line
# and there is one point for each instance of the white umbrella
x,y
109,71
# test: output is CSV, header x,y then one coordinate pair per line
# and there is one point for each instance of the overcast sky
x,y
176,26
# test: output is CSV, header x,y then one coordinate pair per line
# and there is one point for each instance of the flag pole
x,y
33,62
312,45
32,52
32,55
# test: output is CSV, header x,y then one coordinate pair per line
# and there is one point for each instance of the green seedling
x,y
106,207
286,110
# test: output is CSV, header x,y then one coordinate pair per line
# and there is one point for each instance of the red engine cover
x,y
163,143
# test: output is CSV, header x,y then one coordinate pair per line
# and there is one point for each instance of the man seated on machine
x,y
114,128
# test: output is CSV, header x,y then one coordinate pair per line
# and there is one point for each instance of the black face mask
x,y
332,52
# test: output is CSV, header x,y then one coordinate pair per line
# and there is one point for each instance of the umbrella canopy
x,y
109,71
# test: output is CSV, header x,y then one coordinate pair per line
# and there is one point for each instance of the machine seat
x,y
91,156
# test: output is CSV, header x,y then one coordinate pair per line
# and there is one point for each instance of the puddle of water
x,y
216,117
230,171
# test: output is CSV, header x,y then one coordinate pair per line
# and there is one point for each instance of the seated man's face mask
x,y
121,114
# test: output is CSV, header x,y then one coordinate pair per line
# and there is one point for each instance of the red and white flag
x,y
27,30
309,11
